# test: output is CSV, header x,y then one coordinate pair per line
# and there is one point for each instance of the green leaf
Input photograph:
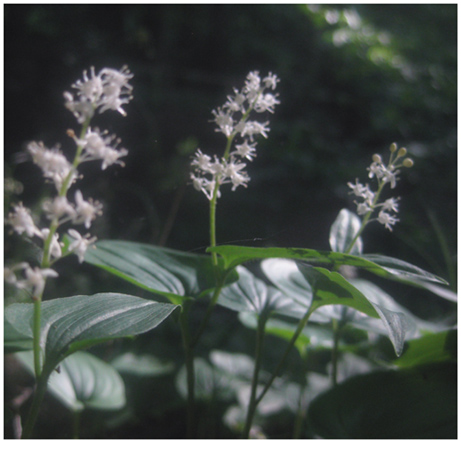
x,y
83,381
343,230
437,347
252,294
333,294
73,323
332,288
141,365
380,265
14,341
170,273
417,403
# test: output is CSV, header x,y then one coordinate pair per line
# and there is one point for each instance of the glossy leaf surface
x,y
250,294
330,293
171,273
73,323
83,381
379,265
343,230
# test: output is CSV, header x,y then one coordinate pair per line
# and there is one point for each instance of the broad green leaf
x,y
380,265
417,403
13,340
332,288
338,297
83,381
343,230
430,348
174,274
73,323
250,293
141,365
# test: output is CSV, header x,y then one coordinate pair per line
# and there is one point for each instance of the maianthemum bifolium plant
x,y
311,299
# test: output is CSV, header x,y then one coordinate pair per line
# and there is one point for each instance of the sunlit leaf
x,y
174,274
383,266
436,347
73,323
143,365
83,381
343,230
250,293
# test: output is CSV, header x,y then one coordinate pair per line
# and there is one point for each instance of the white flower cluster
x,y
385,174
232,120
108,90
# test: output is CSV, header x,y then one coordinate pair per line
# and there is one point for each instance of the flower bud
x,y
402,152
377,158
393,147
408,162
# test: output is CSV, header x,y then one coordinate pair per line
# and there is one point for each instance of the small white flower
x,y
52,162
86,210
252,85
35,280
391,204
271,81
80,245
363,208
266,102
58,208
107,90
234,172
22,221
201,161
252,128
245,150
224,121
387,220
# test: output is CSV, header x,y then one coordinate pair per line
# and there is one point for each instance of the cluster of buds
x,y
232,119
385,174
108,90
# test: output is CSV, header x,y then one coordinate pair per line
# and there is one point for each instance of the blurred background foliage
x,y
354,79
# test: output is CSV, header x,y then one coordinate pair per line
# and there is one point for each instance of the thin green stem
x,y
76,415
302,323
334,352
190,371
254,383
208,312
39,394
36,337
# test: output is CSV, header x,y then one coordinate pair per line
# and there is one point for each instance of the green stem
x,y
254,383
290,345
334,352
39,394
209,310
190,372
36,337
76,415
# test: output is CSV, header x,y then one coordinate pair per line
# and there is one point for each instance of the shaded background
x,y
354,78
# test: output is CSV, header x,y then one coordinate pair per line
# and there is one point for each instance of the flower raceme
x,y
95,93
232,120
384,174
